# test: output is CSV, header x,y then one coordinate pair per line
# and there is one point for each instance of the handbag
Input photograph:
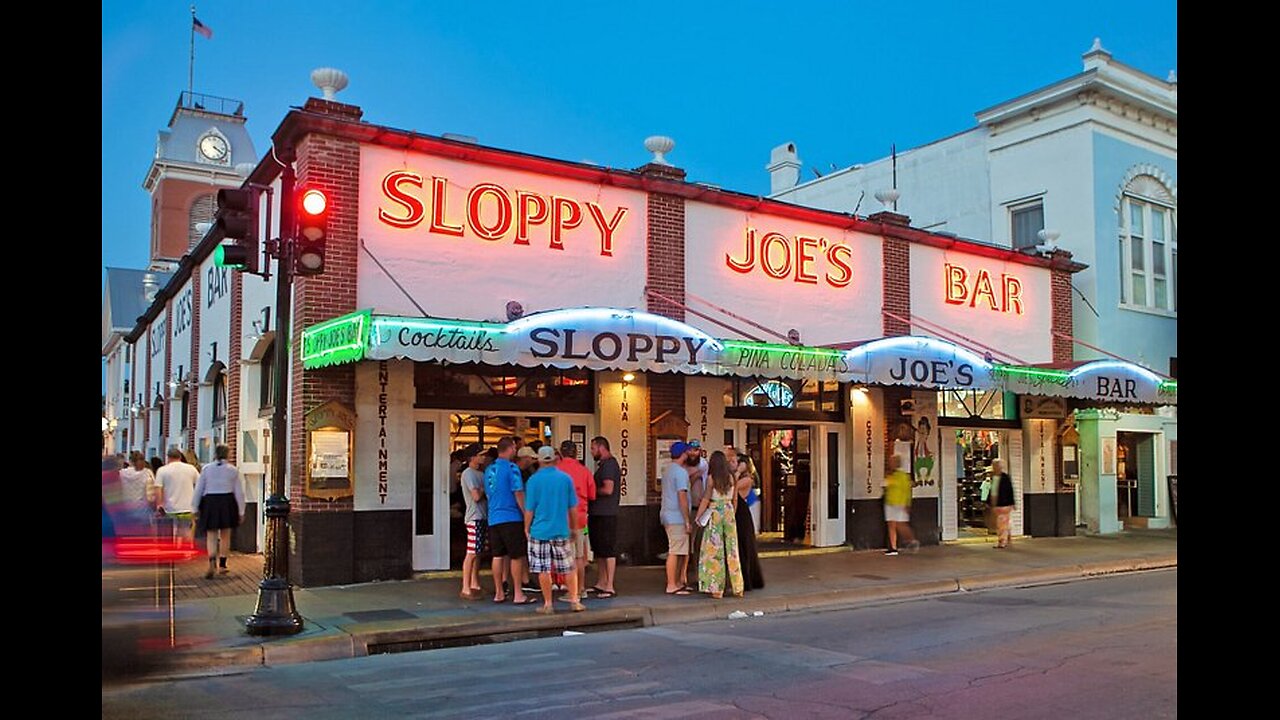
x,y
704,518
985,490
752,497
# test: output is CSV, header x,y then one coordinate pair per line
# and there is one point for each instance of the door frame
x,y
431,552
823,532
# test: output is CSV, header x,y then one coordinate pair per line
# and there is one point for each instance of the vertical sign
x,y
384,376
622,420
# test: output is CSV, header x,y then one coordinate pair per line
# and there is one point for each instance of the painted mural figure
x,y
923,455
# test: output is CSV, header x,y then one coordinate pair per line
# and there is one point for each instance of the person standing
x,y
675,518
720,536
505,490
219,502
897,506
476,520
177,481
550,519
696,465
749,556
585,486
602,517
137,481
1002,503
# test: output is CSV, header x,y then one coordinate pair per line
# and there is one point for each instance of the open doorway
x,y
783,456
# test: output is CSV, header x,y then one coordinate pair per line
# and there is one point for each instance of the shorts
x,y
477,535
896,513
508,540
553,556
604,535
677,540
580,545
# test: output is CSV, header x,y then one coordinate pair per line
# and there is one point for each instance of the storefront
x,y
471,293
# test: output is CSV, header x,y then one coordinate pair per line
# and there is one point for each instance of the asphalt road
x,y
1103,648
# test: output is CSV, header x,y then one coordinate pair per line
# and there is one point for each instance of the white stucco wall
x,y
385,435
822,311
440,270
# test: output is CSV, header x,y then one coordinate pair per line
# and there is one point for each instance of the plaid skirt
x,y
553,556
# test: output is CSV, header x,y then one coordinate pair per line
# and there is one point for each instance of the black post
x,y
276,613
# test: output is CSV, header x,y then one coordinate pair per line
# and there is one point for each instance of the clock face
x,y
213,147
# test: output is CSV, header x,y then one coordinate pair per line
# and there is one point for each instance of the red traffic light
x,y
313,222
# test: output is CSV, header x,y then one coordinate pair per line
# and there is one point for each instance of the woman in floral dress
x,y
720,536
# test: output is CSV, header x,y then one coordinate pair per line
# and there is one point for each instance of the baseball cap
x,y
526,451
678,448
695,444
546,453
473,450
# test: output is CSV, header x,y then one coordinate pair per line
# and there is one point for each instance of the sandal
x,y
578,607
526,601
605,594
682,590
544,610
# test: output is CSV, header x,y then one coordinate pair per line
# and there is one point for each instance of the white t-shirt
x,y
178,480
134,483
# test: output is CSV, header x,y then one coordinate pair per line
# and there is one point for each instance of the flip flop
x,y
526,601
682,590
605,594
500,601
597,590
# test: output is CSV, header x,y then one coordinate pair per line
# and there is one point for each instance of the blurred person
x,y
675,518
505,490
696,464
177,482
716,513
1002,503
897,506
602,517
135,480
585,486
550,519
219,503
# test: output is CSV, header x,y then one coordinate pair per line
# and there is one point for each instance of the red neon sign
x,y
492,211
961,290
781,257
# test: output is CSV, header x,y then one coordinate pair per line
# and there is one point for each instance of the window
x,y
756,398
267,385
220,398
505,387
975,404
1028,221
1148,246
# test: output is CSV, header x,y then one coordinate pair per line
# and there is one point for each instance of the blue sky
x,y
589,81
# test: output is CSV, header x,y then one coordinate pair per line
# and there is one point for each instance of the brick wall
x,y
897,285
665,257
333,165
193,404
234,367
1062,316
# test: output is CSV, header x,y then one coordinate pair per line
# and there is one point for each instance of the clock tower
x,y
195,157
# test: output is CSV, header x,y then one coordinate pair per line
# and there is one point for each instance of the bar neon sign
x,y
965,288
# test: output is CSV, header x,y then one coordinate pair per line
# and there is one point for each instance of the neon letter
x,y
525,201
957,284
846,272
438,223
775,238
391,188
606,228
1012,294
560,223
803,258
982,288
750,261
504,211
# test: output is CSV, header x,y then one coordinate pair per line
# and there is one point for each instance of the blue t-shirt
x,y
501,483
549,497
675,479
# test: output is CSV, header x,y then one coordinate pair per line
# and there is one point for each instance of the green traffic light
x,y
230,256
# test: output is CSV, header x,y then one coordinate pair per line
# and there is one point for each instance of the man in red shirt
x,y
585,484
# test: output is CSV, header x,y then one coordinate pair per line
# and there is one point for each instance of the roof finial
x,y
1097,46
1173,77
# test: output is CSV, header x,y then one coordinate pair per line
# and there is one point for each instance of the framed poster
x,y
329,452
1108,465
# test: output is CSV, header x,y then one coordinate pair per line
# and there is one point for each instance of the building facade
x,y
471,293
1092,160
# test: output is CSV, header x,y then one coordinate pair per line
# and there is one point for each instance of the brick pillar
x,y
193,404
665,257
1062,316
165,418
323,530
897,285
234,366
147,398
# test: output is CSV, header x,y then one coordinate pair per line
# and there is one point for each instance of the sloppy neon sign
x,y
781,257
493,212
965,288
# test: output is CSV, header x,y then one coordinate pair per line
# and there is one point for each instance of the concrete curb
x,y
355,641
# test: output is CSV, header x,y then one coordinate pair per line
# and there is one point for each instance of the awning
x,y
633,340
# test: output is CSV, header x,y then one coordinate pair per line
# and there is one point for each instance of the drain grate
x,y
378,615
438,643
865,576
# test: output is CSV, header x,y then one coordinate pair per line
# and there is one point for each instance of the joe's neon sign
x,y
965,288
492,212
798,258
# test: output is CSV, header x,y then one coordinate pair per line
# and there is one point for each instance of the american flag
x,y
201,28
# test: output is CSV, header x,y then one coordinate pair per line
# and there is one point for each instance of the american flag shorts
x,y
477,536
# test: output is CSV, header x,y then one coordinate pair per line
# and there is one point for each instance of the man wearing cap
x,y
527,461
550,519
504,489
696,465
585,486
675,518
476,519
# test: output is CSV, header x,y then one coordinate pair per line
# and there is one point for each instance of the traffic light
x,y
237,220
313,227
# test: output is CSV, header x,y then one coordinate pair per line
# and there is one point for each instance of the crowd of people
x,y
538,511
176,500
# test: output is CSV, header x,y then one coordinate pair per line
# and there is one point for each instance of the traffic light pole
x,y
276,613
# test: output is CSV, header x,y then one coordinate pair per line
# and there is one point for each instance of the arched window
x,y
201,211
220,398
184,421
1148,246
267,366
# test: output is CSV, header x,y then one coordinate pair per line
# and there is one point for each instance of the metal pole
x,y
276,613
191,65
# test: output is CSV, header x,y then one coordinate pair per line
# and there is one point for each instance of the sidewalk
x,y
358,620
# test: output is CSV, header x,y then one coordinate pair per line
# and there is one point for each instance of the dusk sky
x,y
589,81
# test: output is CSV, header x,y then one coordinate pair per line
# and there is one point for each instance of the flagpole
x,y
191,66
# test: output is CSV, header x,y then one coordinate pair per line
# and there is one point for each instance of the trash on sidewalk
x,y
737,615
571,633
758,613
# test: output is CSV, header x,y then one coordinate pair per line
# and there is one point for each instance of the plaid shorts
x,y
553,556
477,535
